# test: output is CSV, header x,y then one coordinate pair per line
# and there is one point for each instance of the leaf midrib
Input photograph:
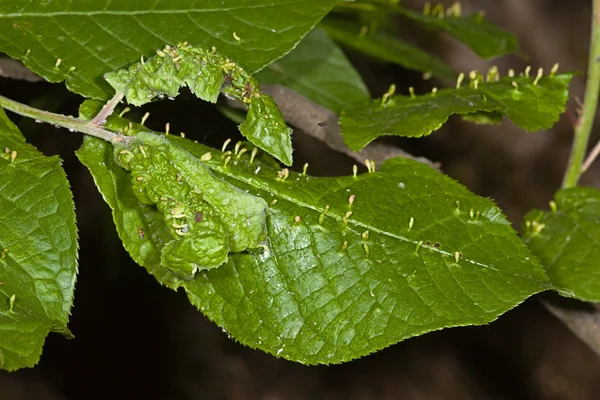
x,y
267,188
142,12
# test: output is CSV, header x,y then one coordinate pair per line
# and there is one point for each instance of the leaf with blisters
x,y
207,73
38,249
385,47
566,239
531,103
207,217
354,264
318,69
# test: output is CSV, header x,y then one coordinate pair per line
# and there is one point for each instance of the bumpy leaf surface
x,y
346,271
207,216
567,239
92,37
530,103
318,69
207,73
385,47
38,249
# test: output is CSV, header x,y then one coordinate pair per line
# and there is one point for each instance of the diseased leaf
x,y
207,73
92,37
318,69
566,240
38,249
354,264
385,47
207,217
530,103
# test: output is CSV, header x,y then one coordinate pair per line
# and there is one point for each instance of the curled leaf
x,y
207,217
207,73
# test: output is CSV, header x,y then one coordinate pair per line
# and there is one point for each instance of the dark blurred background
x,y
137,339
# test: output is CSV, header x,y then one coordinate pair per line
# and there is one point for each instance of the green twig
x,y
64,121
585,123
108,109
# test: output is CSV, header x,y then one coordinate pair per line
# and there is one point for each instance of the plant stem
x,y
65,121
585,124
108,109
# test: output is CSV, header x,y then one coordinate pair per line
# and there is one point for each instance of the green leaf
x,y
92,37
270,134
318,69
567,239
531,103
38,249
207,217
334,286
207,73
486,39
385,47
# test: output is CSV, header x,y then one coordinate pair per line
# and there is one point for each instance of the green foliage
x,y
92,37
385,47
483,37
315,270
565,240
38,249
318,69
532,103
207,73
207,217
486,39
354,264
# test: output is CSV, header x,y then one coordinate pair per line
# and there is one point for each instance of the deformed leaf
x,y
353,264
532,103
207,217
566,240
385,47
207,73
80,41
318,69
38,249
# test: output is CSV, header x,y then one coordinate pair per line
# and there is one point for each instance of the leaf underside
x,y
566,242
334,286
38,249
530,103
92,37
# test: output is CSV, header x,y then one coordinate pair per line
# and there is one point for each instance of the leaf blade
x,y
530,105
318,69
313,300
566,242
386,47
96,37
38,264
486,39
